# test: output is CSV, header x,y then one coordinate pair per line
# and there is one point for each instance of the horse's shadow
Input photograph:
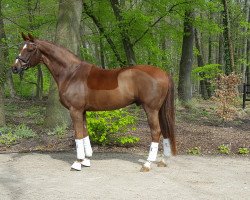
x,y
70,156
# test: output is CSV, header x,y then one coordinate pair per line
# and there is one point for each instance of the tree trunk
x,y
39,88
3,56
245,42
248,56
185,85
10,84
200,61
127,44
102,57
228,45
2,112
67,35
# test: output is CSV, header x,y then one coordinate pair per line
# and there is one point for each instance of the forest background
x,y
194,40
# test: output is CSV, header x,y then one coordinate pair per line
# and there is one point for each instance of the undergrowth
x,y
10,135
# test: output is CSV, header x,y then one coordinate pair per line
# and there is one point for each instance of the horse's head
x,y
29,55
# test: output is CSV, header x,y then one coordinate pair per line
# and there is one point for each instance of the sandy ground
x,y
33,176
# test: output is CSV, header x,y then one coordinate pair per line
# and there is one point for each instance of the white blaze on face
x,y
24,47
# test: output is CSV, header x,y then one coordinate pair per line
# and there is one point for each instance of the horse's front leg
x,y
81,139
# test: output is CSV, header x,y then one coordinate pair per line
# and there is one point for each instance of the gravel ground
x,y
35,176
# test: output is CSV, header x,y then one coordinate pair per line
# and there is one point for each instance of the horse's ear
x,y
25,37
31,38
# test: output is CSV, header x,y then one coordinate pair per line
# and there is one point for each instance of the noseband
x,y
25,63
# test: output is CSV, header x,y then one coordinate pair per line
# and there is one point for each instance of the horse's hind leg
x,y
153,121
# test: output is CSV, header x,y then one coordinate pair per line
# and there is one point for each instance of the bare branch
x,y
171,9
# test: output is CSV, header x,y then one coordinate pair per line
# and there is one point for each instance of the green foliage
x,y
8,139
223,149
243,150
207,72
126,140
104,127
59,131
194,151
10,135
23,131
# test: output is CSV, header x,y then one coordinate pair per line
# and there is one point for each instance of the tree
x,y
67,35
245,44
200,62
127,44
102,32
228,44
185,84
3,56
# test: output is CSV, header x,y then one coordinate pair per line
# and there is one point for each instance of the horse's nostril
x,y
14,69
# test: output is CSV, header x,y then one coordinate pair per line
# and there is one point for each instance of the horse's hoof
x,y
76,166
86,162
161,164
145,169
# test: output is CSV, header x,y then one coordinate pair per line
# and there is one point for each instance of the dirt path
x,y
34,176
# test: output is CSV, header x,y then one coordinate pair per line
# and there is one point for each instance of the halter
x,y
25,63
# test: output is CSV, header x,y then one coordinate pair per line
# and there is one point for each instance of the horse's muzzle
x,y
17,70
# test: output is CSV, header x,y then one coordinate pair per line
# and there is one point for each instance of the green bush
x,y
59,131
223,149
104,127
194,151
10,136
7,137
243,150
206,72
23,131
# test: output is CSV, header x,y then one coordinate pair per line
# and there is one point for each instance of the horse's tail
x,y
167,117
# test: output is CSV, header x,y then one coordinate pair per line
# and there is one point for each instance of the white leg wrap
x,y
76,166
79,149
147,164
153,151
87,146
86,162
166,147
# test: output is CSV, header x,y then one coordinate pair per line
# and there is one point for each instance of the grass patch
x,y
10,135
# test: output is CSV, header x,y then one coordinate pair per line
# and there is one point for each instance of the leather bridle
x,y
25,62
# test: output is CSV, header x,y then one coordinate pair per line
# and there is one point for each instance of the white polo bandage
x,y
153,151
79,149
147,164
87,146
166,147
76,166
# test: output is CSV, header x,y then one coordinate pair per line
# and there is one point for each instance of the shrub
x,y
206,72
7,137
223,149
194,151
59,131
10,136
226,95
22,131
104,127
243,150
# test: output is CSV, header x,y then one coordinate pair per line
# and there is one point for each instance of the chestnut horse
x,y
86,87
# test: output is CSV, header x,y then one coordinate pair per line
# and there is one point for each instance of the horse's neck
x,y
61,62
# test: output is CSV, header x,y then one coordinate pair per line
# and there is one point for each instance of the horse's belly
x,y
108,100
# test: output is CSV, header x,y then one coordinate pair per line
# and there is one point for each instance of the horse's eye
x,y
31,48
